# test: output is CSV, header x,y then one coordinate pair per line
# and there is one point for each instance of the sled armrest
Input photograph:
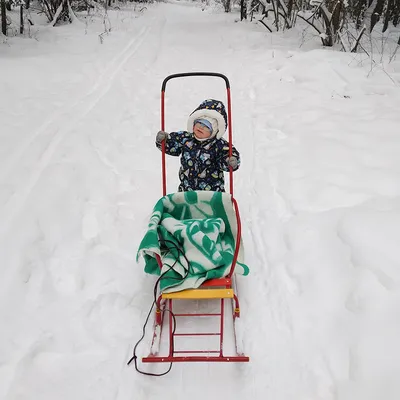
x,y
238,238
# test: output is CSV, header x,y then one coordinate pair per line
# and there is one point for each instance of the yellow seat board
x,y
200,294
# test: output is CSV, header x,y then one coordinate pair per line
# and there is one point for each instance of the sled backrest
x,y
229,115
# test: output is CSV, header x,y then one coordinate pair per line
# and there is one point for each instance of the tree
x,y
227,5
333,20
3,17
57,10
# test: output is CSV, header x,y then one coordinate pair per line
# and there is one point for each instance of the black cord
x,y
180,251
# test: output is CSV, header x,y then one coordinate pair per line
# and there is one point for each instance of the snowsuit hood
x,y
213,109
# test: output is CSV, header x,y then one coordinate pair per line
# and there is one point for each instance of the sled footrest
x,y
200,294
157,359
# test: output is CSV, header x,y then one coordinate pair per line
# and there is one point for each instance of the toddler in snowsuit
x,y
204,153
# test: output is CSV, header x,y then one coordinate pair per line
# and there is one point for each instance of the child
x,y
204,153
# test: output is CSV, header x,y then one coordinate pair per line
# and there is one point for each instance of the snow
x,y
318,190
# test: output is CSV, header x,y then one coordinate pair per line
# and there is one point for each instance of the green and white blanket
x,y
194,233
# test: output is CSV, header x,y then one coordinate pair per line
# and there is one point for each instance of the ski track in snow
x,y
58,117
75,113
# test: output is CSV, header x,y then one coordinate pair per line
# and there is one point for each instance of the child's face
x,y
201,131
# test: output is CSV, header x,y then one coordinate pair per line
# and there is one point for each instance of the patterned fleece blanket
x,y
194,233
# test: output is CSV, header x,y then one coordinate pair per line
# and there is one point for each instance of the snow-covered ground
x,y
319,194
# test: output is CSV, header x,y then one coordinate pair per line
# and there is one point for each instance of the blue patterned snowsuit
x,y
202,162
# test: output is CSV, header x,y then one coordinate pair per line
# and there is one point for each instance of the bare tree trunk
x,y
3,17
275,6
387,15
248,7
396,14
63,13
290,8
336,16
326,16
227,5
357,42
21,19
368,15
243,14
357,11
377,13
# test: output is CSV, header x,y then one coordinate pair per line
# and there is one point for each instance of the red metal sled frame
x,y
209,290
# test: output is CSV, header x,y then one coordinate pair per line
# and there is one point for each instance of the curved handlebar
x,y
184,74
229,112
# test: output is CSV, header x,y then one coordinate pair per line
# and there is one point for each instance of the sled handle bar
x,y
228,95
164,175
184,74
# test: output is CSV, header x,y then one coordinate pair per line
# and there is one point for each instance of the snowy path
x,y
318,191
53,130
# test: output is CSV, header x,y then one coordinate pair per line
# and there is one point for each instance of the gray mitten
x,y
161,136
233,162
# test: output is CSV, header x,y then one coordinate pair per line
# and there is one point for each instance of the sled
x,y
222,291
